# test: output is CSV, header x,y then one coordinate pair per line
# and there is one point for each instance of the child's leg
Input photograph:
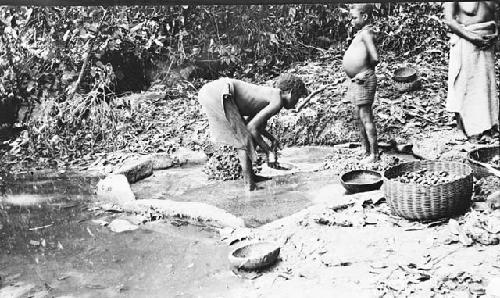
x,y
366,117
246,166
362,132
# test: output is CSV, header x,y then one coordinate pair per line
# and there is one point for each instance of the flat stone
x,y
137,169
18,290
115,189
188,156
162,161
433,145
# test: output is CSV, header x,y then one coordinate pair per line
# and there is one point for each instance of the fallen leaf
x,y
454,227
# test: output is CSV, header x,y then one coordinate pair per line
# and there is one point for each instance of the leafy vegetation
x,y
63,69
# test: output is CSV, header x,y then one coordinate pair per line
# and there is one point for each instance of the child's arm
x,y
371,48
260,120
270,137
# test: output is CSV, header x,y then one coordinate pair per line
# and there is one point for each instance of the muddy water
x,y
42,219
289,191
52,247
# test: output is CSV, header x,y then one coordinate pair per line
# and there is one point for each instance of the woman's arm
x,y
450,12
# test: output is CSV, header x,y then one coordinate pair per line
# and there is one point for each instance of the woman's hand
x,y
480,41
256,135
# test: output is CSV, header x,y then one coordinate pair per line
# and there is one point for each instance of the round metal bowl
x,y
405,75
253,256
485,161
361,180
485,155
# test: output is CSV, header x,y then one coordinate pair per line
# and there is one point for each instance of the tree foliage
x,y
72,61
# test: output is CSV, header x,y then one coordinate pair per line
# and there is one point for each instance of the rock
x,y
122,225
493,224
428,150
193,212
162,161
135,219
493,200
432,145
136,170
454,227
116,189
17,290
187,156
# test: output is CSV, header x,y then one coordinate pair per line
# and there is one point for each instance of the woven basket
x,y
405,74
425,202
410,86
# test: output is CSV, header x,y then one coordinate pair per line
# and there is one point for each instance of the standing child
x,y
359,64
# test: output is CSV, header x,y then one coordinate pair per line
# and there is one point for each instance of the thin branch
x,y
308,98
90,46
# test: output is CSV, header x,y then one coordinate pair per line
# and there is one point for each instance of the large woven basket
x,y
423,202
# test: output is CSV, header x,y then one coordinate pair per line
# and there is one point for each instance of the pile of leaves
x,y
475,228
223,164
485,186
409,280
462,281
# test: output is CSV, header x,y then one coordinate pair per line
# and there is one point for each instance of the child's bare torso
x,y
356,59
251,98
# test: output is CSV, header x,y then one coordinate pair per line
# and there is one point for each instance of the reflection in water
x,y
44,223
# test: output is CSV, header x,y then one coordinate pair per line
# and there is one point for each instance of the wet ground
x,y
51,244
53,248
290,190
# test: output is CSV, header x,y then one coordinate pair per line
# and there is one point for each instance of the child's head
x,y
290,83
361,14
